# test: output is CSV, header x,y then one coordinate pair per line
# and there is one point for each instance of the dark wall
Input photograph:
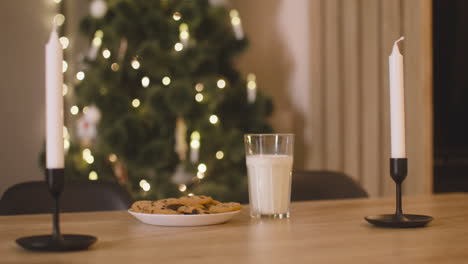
x,y
450,22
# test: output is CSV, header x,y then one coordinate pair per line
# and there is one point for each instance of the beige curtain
x,y
325,63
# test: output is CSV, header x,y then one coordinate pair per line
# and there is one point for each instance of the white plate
x,y
184,220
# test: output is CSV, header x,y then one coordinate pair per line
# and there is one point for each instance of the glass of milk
x,y
269,159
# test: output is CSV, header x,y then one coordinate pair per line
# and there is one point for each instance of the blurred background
x,y
324,64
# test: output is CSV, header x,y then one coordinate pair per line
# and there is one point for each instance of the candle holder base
x,y
48,243
399,221
398,171
56,242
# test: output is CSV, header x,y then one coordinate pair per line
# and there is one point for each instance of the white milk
x,y
269,183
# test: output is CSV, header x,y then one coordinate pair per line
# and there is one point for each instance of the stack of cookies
x,y
184,205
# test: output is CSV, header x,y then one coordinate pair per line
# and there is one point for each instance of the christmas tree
x,y
159,104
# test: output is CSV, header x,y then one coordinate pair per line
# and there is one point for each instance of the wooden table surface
x,y
317,232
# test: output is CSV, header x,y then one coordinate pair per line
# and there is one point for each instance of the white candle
x,y
397,103
54,102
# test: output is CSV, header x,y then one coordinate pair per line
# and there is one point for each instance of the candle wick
x,y
395,45
398,40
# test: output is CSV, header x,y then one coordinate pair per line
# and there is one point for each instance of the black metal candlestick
x,y
56,241
398,171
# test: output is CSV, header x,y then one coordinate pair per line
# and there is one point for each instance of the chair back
x,y
34,198
324,185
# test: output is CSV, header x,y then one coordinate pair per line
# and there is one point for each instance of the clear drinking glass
x,y
269,159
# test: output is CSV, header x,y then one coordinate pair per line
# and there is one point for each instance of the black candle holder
x,y
56,241
398,171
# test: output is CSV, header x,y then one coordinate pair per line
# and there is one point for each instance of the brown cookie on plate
x,y
142,206
167,201
224,208
157,210
187,209
196,200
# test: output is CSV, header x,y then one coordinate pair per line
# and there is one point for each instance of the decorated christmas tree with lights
x,y
158,104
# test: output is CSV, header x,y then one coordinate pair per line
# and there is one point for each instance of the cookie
x,y
150,207
224,208
168,201
156,210
142,206
196,200
187,209
207,206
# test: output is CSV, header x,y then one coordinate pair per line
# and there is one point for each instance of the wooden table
x,y
317,232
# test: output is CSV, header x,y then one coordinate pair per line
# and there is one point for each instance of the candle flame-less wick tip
x,y
395,45
398,40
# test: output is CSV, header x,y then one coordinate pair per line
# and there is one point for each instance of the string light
x,y
199,97
251,88
136,103
106,53
64,41
98,34
202,167
199,87
221,83
183,33
251,84
183,27
64,89
112,157
182,187
65,132
66,144
80,75
213,119
87,156
93,176
115,66
59,19
195,135
64,66
86,153
90,160
235,20
74,110
178,46
236,24
166,80
97,41
200,175
145,81
190,194
85,109
135,64
219,155
176,16
195,144
145,185
142,182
